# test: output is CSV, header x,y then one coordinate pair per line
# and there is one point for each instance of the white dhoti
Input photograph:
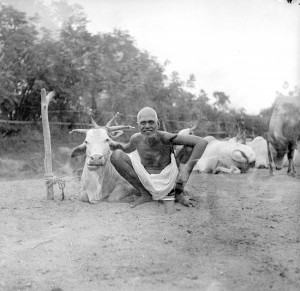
x,y
158,185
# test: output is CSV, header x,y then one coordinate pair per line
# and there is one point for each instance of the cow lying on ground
x,y
99,178
259,146
226,157
284,130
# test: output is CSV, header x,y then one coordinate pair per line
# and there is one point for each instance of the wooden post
x,y
45,100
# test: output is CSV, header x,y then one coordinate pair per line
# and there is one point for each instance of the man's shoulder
x,y
166,137
163,133
136,136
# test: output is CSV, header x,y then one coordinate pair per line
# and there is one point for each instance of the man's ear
x,y
158,123
78,151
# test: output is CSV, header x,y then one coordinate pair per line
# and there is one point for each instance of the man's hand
x,y
183,197
186,200
114,145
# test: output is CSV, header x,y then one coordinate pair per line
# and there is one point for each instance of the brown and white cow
x,y
99,178
284,130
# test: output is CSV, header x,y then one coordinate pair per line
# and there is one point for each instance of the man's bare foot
x,y
127,199
142,199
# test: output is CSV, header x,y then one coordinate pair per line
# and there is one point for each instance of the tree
x,y
222,100
17,61
38,61
105,73
190,83
57,12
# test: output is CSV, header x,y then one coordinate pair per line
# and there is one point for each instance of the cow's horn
x,y
195,125
94,123
79,130
119,127
111,120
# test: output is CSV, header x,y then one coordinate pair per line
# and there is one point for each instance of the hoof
x,y
291,174
83,197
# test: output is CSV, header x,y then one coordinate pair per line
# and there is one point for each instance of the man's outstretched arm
x,y
198,146
127,148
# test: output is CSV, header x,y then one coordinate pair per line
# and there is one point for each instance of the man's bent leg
x,y
183,155
181,159
123,165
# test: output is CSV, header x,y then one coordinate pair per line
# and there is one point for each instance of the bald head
x,y
147,112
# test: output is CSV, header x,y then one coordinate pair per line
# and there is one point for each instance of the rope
x,y
52,180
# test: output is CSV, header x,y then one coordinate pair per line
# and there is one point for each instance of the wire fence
x,y
81,119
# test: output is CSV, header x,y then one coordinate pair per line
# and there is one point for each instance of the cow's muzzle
x,y
94,162
247,167
252,164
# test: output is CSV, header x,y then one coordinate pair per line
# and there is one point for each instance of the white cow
x,y
99,178
185,131
225,156
259,146
188,131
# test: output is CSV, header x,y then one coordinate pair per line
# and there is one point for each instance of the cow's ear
x,y
78,151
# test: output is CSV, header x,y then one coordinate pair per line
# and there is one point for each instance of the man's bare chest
x,y
156,156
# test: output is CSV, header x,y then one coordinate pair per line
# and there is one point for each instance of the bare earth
x,y
244,235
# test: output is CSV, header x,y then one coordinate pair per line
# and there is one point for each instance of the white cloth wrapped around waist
x,y
158,185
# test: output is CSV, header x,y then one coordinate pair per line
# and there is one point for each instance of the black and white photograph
x,y
149,145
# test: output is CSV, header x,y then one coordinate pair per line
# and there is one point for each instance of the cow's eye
x,y
86,142
107,140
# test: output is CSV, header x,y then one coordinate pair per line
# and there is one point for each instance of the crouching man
x,y
148,162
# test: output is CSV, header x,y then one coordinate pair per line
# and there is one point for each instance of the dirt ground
x,y
244,235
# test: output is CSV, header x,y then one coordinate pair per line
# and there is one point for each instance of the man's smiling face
x,y
148,122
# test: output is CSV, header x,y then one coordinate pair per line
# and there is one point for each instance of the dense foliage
x,y
99,74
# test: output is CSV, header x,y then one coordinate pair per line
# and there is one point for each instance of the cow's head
x,y
243,157
277,147
277,152
96,144
189,131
